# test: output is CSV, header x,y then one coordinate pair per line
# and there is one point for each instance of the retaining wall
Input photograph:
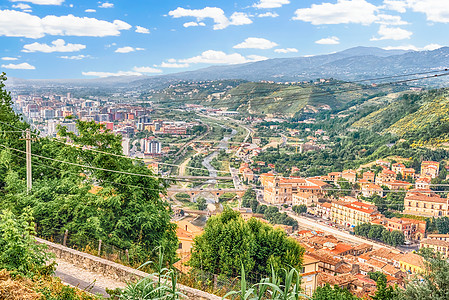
x,y
113,270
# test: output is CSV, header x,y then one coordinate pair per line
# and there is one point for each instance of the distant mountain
x,y
351,64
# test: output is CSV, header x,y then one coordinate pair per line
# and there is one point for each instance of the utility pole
x,y
28,160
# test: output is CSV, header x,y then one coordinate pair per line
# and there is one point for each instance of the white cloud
x,y
271,3
140,29
21,24
41,2
22,66
193,24
255,43
333,40
9,58
342,12
239,18
392,33
106,5
220,57
90,10
286,50
390,20
147,70
173,64
397,5
21,6
429,47
214,13
435,10
268,14
128,49
58,45
108,74
75,57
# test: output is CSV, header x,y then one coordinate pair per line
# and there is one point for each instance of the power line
x,y
96,168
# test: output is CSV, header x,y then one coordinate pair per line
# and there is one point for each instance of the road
x,y
308,223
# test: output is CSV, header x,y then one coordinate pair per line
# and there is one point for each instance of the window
x,y
180,246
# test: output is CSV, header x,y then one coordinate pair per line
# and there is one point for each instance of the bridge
x,y
195,192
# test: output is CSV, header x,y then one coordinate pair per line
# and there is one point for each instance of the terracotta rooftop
x,y
435,242
413,259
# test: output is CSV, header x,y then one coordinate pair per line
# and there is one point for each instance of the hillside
x,y
268,98
419,117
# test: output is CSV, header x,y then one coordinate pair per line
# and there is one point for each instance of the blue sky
x,y
87,39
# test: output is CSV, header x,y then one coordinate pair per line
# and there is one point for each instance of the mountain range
x,y
351,64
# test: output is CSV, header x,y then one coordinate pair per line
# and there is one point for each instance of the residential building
x,y
430,169
436,245
309,273
349,175
411,263
420,204
371,189
398,168
304,198
412,229
369,176
422,183
334,176
323,210
353,214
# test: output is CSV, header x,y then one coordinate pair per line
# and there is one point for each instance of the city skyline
x,y
87,39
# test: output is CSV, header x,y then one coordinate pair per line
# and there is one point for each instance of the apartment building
x,y
426,205
353,214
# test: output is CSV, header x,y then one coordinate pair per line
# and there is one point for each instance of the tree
x,y
228,243
396,238
442,225
249,200
18,249
383,292
201,203
434,282
299,209
332,293
377,275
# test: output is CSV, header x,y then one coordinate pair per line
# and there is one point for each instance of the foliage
x,y
442,225
273,215
380,233
159,285
228,243
18,249
383,292
433,283
249,200
275,287
227,197
201,203
299,209
376,275
332,293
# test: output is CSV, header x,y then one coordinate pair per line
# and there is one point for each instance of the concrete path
x,y
88,281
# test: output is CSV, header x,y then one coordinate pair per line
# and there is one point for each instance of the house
x,y
398,185
398,168
385,176
304,198
349,175
436,245
371,189
422,183
309,274
369,176
412,229
383,163
334,176
430,169
323,210
411,263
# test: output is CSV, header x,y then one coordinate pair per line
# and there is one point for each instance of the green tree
x,y
433,284
228,243
201,203
18,249
332,293
442,225
299,209
383,292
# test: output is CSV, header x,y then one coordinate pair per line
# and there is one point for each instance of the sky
x,y
49,39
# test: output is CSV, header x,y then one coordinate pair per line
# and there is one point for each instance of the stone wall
x,y
113,270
